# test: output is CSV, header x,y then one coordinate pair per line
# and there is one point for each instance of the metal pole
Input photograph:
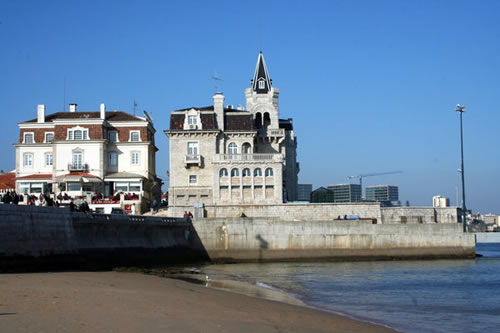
x,y
461,109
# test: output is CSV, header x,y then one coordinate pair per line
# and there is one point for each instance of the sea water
x,y
410,296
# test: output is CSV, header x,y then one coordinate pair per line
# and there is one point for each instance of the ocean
x,y
410,296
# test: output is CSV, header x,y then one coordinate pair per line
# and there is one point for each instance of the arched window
x,y
246,172
257,172
246,148
232,149
235,172
223,172
258,120
267,120
269,172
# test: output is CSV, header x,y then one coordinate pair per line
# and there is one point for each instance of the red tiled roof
x,y
8,181
83,174
37,176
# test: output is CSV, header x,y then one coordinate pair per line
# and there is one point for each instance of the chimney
x,y
41,113
219,109
103,111
72,107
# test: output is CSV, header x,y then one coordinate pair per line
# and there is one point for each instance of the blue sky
x,y
371,85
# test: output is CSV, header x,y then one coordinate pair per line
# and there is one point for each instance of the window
x,y
49,137
49,159
246,172
262,84
74,187
121,187
78,133
235,172
26,188
112,136
113,159
232,148
269,172
28,138
135,158
134,187
192,148
28,160
192,179
77,160
223,173
192,120
257,172
134,136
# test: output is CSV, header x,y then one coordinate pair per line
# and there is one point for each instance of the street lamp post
x,y
461,109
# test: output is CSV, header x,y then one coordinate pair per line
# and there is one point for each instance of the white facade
x,y
225,155
87,154
440,202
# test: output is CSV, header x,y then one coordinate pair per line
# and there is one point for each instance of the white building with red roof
x,y
90,155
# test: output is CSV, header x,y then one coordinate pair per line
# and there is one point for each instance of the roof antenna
x,y
134,107
216,79
64,96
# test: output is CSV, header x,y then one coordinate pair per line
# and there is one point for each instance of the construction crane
x,y
360,177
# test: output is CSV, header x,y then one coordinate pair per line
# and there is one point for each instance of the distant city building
x,y
439,201
322,194
345,192
382,193
304,192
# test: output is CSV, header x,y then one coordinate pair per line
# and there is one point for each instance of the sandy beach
x,y
134,302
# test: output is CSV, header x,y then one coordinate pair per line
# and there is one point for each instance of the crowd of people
x,y
11,197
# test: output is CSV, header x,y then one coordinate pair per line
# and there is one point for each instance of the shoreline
x,y
137,302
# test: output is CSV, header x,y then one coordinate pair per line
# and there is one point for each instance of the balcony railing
x,y
192,159
78,167
248,158
279,132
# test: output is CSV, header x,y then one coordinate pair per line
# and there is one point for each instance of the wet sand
x,y
134,302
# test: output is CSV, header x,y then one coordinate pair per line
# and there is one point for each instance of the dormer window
x,y
112,136
192,120
135,136
262,84
49,137
78,133
29,138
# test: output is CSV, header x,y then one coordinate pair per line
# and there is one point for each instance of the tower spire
x,y
261,82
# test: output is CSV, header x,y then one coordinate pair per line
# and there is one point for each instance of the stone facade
x,y
224,155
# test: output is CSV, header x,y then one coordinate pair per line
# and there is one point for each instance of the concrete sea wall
x,y
264,239
487,237
328,211
47,237
33,238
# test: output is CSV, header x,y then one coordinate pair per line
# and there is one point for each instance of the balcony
x,y
84,167
192,159
248,158
275,133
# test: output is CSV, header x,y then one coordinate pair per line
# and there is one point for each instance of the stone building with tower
x,y
225,155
